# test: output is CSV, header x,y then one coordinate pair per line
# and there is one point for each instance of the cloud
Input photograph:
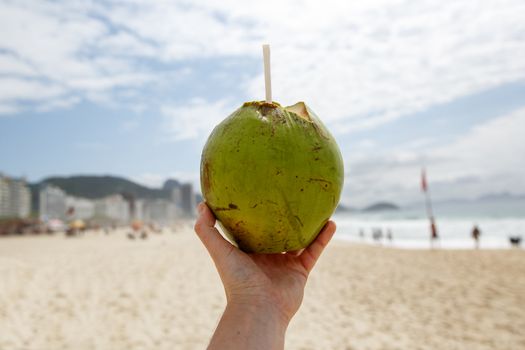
x,y
194,120
126,44
53,50
376,62
111,82
156,180
359,65
13,90
484,160
12,66
129,125
8,109
493,148
150,179
185,30
59,103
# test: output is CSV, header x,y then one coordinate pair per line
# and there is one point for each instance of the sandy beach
x,y
109,292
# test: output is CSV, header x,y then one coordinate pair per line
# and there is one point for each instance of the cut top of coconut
x,y
300,109
260,104
264,108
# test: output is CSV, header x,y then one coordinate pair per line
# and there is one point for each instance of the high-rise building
x,y
188,199
80,208
113,207
161,211
15,198
176,195
4,197
52,203
138,212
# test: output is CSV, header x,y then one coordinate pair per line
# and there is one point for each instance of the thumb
x,y
312,253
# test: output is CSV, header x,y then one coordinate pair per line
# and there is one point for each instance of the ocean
x,y
497,220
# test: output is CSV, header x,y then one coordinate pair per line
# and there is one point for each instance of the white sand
x,y
107,292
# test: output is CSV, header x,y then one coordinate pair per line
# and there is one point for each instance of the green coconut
x,y
272,176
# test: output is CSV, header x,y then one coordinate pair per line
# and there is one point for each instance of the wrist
x,y
249,325
260,308
267,304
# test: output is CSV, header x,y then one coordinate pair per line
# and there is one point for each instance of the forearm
x,y
249,326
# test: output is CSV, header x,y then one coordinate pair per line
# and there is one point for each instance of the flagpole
x,y
428,201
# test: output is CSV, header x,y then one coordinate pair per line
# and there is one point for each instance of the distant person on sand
x,y
263,291
361,233
389,235
475,235
433,232
377,235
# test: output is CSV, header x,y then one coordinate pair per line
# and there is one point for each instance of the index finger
x,y
218,247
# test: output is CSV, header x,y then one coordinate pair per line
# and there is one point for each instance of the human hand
x,y
275,282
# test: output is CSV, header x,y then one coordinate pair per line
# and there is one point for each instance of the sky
x,y
133,88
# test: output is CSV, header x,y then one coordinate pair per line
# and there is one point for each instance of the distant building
x,y
188,199
138,212
52,203
4,197
80,208
161,211
113,207
184,198
176,196
15,197
136,207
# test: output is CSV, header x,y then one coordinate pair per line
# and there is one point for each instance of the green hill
x,y
93,187
381,206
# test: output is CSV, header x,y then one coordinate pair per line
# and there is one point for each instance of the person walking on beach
x,y
263,291
389,235
433,232
377,235
476,232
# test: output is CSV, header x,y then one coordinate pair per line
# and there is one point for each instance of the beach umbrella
x,y
55,225
77,224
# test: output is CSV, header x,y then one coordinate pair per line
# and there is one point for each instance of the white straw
x,y
267,73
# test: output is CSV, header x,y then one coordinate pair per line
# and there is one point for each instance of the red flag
x,y
423,180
